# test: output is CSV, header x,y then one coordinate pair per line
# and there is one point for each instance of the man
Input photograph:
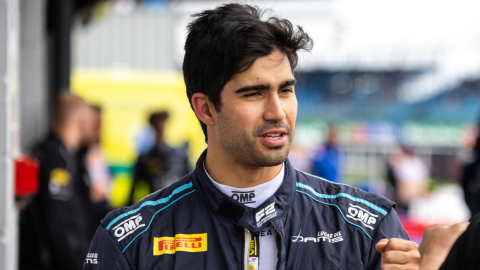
x,y
95,171
326,161
410,177
162,165
54,231
94,161
245,206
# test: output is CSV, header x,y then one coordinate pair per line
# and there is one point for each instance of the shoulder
x,y
357,207
127,223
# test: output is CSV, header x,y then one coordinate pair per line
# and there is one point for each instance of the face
x,y
89,134
256,123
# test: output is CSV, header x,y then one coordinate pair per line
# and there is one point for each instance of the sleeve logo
x,y
357,213
181,242
128,227
92,258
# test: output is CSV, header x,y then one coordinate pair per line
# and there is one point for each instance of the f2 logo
x,y
265,214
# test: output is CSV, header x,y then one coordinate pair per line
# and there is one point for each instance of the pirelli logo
x,y
181,242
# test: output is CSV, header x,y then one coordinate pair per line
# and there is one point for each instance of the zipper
x,y
248,236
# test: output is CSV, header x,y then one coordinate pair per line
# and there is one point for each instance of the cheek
x,y
290,109
242,116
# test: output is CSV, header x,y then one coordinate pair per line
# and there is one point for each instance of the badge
x,y
60,177
254,256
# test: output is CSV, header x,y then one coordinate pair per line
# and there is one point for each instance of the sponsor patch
x,y
128,227
266,214
254,252
60,177
181,242
253,263
92,258
322,236
357,213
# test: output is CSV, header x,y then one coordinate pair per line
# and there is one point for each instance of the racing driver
x,y
245,206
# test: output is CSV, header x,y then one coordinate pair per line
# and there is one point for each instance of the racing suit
x,y
56,227
193,225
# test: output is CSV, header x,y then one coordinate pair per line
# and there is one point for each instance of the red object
x,y
26,177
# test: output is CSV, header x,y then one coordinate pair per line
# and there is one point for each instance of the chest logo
x,y
181,242
321,236
244,197
128,227
357,213
266,214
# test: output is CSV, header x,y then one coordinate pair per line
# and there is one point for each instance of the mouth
x,y
274,138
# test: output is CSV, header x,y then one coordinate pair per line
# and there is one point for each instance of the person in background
x,y
471,179
54,228
93,167
326,159
162,164
409,175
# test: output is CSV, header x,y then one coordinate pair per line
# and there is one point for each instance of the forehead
x,y
271,69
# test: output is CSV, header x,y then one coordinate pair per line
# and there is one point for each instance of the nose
x,y
274,110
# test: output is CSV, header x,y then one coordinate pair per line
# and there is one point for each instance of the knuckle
x,y
389,256
417,256
391,244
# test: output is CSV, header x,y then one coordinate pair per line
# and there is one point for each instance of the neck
x,y
68,136
227,172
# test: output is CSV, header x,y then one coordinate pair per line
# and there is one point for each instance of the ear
x,y
203,108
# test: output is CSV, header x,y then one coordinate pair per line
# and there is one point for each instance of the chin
x,y
274,158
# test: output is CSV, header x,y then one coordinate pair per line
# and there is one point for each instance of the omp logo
x,y
128,227
181,242
244,197
266,214
357,213
92,258
321,236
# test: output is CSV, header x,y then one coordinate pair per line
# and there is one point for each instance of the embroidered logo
x,y
357,213
266,214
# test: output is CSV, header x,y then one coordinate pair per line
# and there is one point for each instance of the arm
x,y
104,254
437,242
394,250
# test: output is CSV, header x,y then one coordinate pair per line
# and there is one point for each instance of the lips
x,y
274,138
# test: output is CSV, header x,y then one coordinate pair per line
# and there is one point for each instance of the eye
x,y
253,94
286,91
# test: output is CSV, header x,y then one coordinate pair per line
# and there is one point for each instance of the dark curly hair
x,y
227,40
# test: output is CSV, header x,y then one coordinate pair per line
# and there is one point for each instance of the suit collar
x,y
276,207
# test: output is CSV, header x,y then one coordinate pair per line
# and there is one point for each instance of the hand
x,y
437,242
398,254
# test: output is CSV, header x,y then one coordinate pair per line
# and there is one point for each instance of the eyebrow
x,y
264,86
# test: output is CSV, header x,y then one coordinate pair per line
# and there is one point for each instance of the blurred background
x,y
389,98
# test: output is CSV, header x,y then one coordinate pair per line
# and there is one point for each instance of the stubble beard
x,y
244,148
